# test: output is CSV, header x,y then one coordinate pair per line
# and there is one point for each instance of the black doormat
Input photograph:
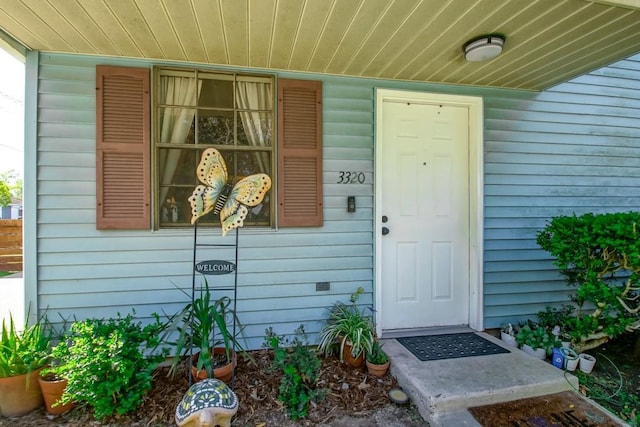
x,y
450,346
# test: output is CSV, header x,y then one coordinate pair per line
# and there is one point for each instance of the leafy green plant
x,y
555,316
347,324
560,321
377,355
24,351
300,367
105,365
537,337
599,255
204,324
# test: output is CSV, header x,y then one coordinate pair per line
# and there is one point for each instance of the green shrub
x,y
105,365
599,255
300,367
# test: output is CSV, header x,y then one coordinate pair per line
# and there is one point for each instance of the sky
x,y
11,113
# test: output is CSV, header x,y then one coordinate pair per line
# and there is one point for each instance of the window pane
x,y
241,164
177,167
253,162
176,125
215,127
253,96
174,90
254,129
175,208
216,94
260,214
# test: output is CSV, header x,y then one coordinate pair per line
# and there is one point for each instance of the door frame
x,y
476,193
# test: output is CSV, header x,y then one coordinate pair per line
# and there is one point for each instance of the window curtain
x,y
256,96
175,122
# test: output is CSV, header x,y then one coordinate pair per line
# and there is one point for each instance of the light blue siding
x,y
573,148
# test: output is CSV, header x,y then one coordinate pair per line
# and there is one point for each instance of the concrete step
x,y
443,389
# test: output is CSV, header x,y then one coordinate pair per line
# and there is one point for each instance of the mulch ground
x,y
352,394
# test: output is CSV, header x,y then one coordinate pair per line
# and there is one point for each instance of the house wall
x,y
572,148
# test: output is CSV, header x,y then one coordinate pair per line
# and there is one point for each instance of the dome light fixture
x,y
483,48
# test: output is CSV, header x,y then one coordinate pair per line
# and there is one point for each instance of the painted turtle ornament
x,y
207,403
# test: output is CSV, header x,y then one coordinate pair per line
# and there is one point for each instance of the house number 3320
x,y
351,177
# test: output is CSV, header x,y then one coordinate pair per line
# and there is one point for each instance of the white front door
x,y
425,219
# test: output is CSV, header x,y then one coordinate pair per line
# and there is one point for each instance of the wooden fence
x,y
10,245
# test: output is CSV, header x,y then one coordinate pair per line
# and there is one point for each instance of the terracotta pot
x,y
224,373
377,370
52,392
20,394
349,359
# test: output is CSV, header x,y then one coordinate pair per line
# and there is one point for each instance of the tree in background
x,y
5,194
14,183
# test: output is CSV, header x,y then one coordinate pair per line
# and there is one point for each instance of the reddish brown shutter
x,y
122,148
299,153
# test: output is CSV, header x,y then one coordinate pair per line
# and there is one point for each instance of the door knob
x,y
385,231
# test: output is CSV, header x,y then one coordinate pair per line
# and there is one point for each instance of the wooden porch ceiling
x,y
547,41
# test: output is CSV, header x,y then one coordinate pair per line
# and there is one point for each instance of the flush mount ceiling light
x,y
483,48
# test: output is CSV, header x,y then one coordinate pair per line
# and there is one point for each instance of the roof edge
x,y
13,46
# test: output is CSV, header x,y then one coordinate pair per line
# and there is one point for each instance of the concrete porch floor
x,y
443,389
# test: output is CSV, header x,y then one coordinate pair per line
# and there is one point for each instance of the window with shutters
x,y
196,110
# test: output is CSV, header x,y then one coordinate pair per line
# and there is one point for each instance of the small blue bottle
x,y
557,358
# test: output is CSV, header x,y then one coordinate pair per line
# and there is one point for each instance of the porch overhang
x,y
547,41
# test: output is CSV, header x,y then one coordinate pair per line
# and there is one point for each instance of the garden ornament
x,y
219,196
207,403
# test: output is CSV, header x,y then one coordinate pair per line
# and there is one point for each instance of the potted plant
x,y
22,356
52,387
206,327
52,382
377,360
508,335
536,341
351,328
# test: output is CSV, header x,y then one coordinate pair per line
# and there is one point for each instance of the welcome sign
x,y
215,267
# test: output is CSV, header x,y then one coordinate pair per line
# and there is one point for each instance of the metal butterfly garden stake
x,y
219,196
